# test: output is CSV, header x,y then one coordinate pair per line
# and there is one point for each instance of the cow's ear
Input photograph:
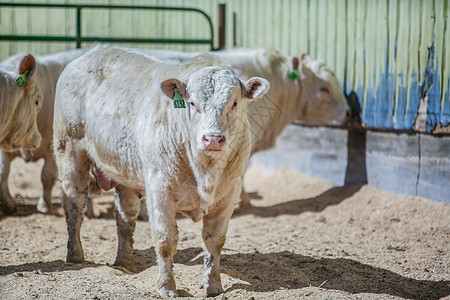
x,y
305,58
168,87
255,87
305,72
295,63
27,70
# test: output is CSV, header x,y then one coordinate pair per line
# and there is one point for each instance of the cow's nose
x,y
213,143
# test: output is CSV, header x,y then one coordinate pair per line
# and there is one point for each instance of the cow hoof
x,y
126,264
75,259
167,292
213,290
42,206
9,209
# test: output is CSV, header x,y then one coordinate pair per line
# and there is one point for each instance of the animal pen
x,y
392,60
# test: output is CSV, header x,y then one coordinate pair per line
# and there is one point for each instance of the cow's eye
x,y
325,90
192,105
235,103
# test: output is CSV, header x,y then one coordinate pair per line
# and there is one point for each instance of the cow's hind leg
x,y
73,166
161,213
127,209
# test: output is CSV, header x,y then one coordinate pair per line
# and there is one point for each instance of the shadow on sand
x,y
333,196
272,271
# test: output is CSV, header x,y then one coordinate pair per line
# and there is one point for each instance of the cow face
x,y
324,101
19,106
216,104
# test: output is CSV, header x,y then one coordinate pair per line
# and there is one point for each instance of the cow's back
x,y
99,102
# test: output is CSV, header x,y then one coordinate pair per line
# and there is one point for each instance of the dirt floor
x,y
302,239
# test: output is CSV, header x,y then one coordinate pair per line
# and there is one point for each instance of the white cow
x,y
113,110
19,105
315,97
49,68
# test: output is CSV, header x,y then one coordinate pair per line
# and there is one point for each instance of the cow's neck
x,y
207,167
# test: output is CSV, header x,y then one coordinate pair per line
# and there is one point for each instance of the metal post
x,y
78,34
234,29
221,27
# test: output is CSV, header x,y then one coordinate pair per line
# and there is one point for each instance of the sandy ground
x,y
302,239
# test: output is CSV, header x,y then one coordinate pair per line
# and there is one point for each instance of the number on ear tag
x,y
22,79
178,101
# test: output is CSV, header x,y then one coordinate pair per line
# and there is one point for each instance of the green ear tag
x,y
178,101
294,75
22,79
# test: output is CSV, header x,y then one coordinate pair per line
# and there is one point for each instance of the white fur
x,y
110,112
49,68
315,99
287,100
18,110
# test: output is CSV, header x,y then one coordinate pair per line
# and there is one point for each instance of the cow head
x,y
322,99
215,100
19,106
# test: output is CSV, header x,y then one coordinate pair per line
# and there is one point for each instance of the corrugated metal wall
x,y
379,49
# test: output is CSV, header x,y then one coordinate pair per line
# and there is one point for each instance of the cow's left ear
x,y
305,72
27,70
168,87
255,87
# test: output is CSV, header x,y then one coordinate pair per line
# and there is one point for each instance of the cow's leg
x,y
48,177
245,199
73,166
127,209
7,204
143,213
215,225
161,213
89,209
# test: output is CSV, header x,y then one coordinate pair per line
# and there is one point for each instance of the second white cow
x,y
114,111
48,69
20,102
313,97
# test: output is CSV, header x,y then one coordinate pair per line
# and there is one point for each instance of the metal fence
x,y
81,37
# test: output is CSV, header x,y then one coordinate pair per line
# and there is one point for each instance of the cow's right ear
x,y
27,69
255,87
168,87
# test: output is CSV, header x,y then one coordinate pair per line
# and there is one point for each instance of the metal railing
x,y
79,38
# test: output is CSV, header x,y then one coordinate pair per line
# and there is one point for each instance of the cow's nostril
x,y
214,143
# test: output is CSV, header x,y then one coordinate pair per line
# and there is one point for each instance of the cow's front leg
x,y
48,177
7,204
215,225
244,199
127,208
161,213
